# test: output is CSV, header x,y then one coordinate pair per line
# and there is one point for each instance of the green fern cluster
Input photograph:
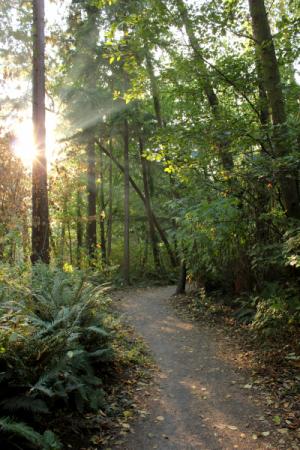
x,y
53,353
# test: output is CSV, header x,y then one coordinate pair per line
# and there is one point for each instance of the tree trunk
x,y
79,229
40,207
62,241
70,242
272,82
110,204
102,212
152,234
126,263
161,232
91,191
180,289
25,239
154,87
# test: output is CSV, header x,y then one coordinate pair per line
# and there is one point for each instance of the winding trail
x,y
200,400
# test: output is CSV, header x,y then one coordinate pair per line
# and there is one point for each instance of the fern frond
x,y
25,403
20,429
97,330
51,441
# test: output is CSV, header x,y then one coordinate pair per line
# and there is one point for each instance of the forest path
x,y
200,400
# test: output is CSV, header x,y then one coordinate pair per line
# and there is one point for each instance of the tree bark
x,y
152,234
40,206
62,241
91,192
110,204
79,229
154,87
161,232
272,82
70,242
102,212
180,289
126,263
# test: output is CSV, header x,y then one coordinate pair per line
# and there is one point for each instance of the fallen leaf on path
x,y
160,418
283,430
276,420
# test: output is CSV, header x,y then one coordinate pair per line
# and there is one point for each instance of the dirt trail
x,y
200,401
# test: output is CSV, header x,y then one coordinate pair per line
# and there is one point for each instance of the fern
x,y
26,403
50,441
21,429
54,340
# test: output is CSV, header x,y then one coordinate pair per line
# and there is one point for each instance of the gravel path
x,y
200,401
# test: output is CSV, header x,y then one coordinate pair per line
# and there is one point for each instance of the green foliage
x,y
274,313
53,344
46,441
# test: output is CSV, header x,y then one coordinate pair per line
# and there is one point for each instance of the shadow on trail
x,y
199,402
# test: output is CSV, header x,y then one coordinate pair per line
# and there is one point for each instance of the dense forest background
x,y
176,148
177,140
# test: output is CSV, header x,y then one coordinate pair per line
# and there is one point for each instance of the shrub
x,y
53,352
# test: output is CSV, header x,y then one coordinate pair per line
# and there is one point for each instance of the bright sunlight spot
x,y
24,146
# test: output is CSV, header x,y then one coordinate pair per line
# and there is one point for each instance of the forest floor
x,y
204,393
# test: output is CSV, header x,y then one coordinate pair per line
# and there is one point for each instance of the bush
x,y
54,351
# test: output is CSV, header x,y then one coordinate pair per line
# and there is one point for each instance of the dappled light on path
x,y
198,401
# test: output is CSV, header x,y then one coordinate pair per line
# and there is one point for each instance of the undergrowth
x,y
59,350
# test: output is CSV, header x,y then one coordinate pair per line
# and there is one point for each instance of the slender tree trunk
x,y
40,207
160,122
70,242
154,87
161,232
25,239
145,254
126,263
92,194
102,212
180,289
110,204
152,234
79,229
62,241
271,79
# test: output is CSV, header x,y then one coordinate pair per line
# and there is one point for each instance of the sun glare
x,y
24,146
24,143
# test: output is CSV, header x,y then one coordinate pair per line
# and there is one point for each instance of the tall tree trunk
x,y
79,229
154,87
221,143
91,191
110,204
40,207
102,212
70,242
62,241
160,123
152,234
126,263
180,289
161,232
25,239
262,205
271,79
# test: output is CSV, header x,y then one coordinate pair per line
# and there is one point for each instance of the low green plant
x,y
54,350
